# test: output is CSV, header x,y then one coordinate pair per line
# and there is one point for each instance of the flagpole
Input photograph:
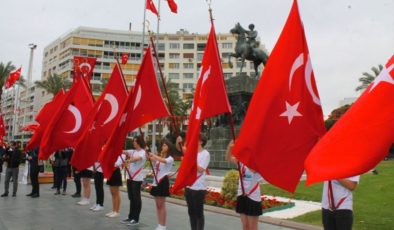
x,y
154,122
150,162
230,114
143,31
166,91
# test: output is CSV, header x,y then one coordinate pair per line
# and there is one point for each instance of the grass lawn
x,y
373,199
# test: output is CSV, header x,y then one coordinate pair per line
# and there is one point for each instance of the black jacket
x,y
13,157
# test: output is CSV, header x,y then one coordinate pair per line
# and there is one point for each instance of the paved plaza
x,y
62,212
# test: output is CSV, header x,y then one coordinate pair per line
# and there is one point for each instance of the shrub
x,y
230,185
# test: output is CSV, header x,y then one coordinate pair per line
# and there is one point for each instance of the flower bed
x,y
217,199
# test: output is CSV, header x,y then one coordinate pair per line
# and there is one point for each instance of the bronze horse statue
x,y
244,50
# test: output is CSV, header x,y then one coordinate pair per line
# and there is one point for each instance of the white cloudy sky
x,y
345,37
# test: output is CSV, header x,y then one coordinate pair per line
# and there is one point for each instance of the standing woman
x,y
137,158
114,183
86,176
99,187
195,194
160,191
248,204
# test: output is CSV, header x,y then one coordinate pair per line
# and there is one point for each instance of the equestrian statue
x,y
246,47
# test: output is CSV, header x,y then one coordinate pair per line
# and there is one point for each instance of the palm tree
x,y
5,70
53,84
368,78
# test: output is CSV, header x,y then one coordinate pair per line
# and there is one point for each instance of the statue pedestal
x,y
240,90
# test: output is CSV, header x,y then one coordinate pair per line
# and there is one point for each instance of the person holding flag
x,y
248,200
161,187
337,203
195,194
114,182
137,158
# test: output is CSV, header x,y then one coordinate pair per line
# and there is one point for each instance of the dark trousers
x,y
77,181
34,171
61,177
99,186
11,172
134,193
54,170
337,220
195,208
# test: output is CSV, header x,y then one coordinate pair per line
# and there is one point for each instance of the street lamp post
x,y
30,70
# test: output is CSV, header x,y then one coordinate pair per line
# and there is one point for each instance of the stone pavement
x,y
62,212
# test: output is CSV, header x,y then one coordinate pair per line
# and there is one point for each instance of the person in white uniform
x,y
137,158
161,188
337,203
195,194
249,198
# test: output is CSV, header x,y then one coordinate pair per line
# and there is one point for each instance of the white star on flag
x,y
291,111
383,76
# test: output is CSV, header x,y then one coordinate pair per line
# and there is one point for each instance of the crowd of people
x,y
337,199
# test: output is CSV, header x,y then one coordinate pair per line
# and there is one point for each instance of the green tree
x,y
53,84
5,70
335,115
368,78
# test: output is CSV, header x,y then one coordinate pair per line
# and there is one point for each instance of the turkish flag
x,y
284,119
43,118
101,121
144,104
83,68
125,58
151,6
361,138
2,128
173,6
30,127
210,99
67,123
12,78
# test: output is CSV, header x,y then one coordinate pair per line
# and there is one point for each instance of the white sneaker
x,y
114,214
98,208
93,207
84,202
109,214
160,227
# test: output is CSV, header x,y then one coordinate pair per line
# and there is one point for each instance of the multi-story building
x,y
180,55
19,107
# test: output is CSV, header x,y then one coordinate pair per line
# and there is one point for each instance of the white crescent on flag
x,y
78,118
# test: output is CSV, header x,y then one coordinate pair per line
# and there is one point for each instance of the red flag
x,y
101,121
151,6
361,138
2,128
284,119
173,6
65,127
30,127
43,118
125,58
144,104
210,99
12,78
83,68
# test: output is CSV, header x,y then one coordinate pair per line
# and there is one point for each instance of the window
x,y
161,46
188,55
227,75
188,46
173,75
188,75
225,55
227,45
175,46
97,76
173,65
188,85
188,65
199,56
201,46
174,55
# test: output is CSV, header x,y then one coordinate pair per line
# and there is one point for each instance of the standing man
x,y
337,203
2,152
13,157
32,157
